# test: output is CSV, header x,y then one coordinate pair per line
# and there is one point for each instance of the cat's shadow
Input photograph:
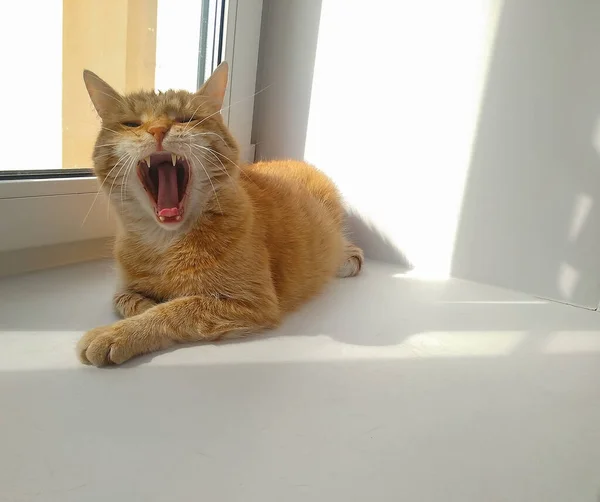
x,y
384,306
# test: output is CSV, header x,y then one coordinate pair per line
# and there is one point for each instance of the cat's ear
x,y
104,97
215,86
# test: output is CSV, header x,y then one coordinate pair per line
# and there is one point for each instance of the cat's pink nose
x,y
159,132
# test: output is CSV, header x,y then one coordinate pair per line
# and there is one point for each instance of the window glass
x,y
132,44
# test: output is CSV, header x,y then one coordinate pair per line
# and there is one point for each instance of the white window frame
x,y
41,216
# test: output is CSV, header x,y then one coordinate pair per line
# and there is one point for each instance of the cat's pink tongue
x,y
168,194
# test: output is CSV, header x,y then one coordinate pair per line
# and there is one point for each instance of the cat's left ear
x,y
104,97
215,86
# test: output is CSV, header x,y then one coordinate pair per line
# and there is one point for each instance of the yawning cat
x,y
206,249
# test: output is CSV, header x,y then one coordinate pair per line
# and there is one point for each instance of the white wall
x,y
461,133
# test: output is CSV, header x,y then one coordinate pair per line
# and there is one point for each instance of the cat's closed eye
x,y
185,119
131,124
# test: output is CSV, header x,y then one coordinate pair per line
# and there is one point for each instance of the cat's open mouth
x,y
165,177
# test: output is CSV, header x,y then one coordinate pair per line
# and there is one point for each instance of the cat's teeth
x,y
147,161
178,218
161,218
173,158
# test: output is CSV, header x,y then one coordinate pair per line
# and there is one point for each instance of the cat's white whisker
x,y
209,179
107,144
100,189
111,130
241,171
222,168
119,100
130,167
215,152
193,114
208,133
113,183
229,106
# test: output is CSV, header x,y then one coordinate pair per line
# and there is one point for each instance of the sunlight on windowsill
x,y
34,351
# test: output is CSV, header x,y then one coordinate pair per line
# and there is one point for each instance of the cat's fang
x,y
173,158
147,161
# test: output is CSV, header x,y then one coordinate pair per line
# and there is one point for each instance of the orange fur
x,y
256,243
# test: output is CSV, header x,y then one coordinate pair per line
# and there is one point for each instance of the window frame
x,y
36,205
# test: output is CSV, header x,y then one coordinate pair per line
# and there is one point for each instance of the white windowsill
x,y
52,212
361,395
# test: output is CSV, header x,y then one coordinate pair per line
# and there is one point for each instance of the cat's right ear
x,y
216,84
104,97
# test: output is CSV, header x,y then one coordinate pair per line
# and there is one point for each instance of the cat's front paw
x,y
128,304
112,344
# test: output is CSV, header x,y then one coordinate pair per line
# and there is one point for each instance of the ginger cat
x,y
205,249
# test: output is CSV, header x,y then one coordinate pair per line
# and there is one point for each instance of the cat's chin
x,y
170,226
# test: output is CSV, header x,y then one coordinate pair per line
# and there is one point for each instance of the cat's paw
x,y
112,344
128,304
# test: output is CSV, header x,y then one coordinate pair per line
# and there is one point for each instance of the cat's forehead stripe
x,y
171,104
149,115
